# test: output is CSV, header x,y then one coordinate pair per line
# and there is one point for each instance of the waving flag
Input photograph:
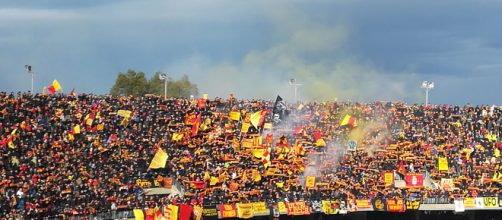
x,y
279,110
159,160
195,126
349,120
258,117
54,87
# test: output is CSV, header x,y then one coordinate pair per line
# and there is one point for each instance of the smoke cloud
x,y
314,54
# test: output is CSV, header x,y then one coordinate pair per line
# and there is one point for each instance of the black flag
x,y
279,110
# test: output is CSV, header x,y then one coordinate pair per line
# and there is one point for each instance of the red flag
x,y
195,126
185,212
72,93
51,89
401,169
317,135
199,184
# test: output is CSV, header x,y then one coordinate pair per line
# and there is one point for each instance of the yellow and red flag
x,y
349,120
195,126
76,129
54,87
258,117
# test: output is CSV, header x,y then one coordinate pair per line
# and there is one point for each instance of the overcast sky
x,y
344,49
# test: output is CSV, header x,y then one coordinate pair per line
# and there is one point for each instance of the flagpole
x,y
163,76
28,70
296,85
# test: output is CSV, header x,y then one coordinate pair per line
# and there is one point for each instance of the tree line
x,y
135,84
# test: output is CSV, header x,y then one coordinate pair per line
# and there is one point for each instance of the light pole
x,y
292,82
163,76
426,85
28,70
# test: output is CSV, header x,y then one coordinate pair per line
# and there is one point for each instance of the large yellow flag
x,y
159,160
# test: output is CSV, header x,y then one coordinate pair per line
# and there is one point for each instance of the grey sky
x,y
349,49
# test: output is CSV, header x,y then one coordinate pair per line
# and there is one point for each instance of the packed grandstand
x,y
82,155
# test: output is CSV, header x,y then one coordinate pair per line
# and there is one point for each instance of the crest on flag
x,y
279,110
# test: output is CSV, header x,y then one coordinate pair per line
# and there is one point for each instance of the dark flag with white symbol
x,y
279,111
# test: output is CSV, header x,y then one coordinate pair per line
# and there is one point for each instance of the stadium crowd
x,y
88,154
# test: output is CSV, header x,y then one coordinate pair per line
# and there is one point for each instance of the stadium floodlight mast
x,y
27,67
426,85
163,76
292,82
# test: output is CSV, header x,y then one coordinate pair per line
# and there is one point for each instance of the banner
x,y
245,210
447,184
124,113
343,208
459,205
209,211
227,211
282,208
260,209
330,207
480,204
167,182
297,208
491,202
310,182
395,205
143,183
414,179
379,204
364,205
470,202
443,164
388,178
413,204
316,206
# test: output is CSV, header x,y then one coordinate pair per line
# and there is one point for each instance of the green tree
x,y
134,83
175,88
130,83
156,85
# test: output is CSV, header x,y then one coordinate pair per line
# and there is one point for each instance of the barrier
x,y
329,207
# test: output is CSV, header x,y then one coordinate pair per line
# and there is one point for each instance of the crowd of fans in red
x,y
75,154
